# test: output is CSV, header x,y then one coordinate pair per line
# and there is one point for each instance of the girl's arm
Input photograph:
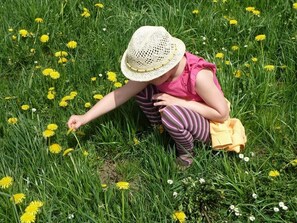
x,y
215,107
107,103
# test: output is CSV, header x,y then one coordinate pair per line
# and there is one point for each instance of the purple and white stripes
x,y
183,125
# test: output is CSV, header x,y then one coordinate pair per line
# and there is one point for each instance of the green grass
x,y
71,186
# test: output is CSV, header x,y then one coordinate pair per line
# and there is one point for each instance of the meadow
x,y
58,58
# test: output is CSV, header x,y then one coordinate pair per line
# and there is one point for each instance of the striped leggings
x,y
182,124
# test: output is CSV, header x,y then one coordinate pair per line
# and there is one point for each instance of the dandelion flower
x,y
67,151
63,60
180,216
274,173
250,9
136,141
260,37
18,198
111,76
269,67
63,103
25,107
50,96
86,13
6,182
219,55
34,207
294,162
12,120
254,59
61,54
39,20
195,12
118,84
99,5
98,96
235,48
44,38
48,133
122,185
238,73
71,44
256,12
73,93
295,5
87,105
85,153
28,217
233,22
23,33
52,126
55,148
104,186
93,78
55,75
47,71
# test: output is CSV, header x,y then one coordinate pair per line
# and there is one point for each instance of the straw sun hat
x,y
151,52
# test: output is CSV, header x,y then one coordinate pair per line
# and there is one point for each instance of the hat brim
x,y
150,75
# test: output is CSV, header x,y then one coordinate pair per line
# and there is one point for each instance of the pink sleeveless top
x,y
184,85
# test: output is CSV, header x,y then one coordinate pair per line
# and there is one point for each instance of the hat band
x,y
154,68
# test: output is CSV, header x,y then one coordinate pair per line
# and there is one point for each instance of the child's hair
x,y
151,52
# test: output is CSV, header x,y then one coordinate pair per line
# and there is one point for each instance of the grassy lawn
x,y
58,58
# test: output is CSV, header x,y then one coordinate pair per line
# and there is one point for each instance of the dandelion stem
x,y
123,207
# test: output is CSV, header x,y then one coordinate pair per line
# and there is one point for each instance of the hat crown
x,y
150,48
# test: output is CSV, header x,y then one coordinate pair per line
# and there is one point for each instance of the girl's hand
x,y
163,100
76,121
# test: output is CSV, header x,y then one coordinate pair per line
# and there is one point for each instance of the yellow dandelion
x,y
51,89
28,217
179,216
44,38
111,76
32,50
126,81
260,37
295,5
52,126
235,48
269,67
25,107
256,12
73,93
39,20
85,153
233,22
237,73
67,151
63,103
55,148
6,182
88,105
254,59
99,5
18,198
48,133
86,13
71,44
67,98
274,173
118,84
195,11
250,9
103,186
55,75
61,54
47,71
37,203
93,78
12,120
62,60
50,96
13,37
227,62
122,185
10,30
219,55
136,141
23,33
98,96
294,162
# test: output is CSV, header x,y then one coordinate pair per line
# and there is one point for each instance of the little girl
x,y
172,87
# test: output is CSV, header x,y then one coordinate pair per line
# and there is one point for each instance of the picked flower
x,y
179,216
6,182
122,185
71,44
274,173
55,148
18,198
